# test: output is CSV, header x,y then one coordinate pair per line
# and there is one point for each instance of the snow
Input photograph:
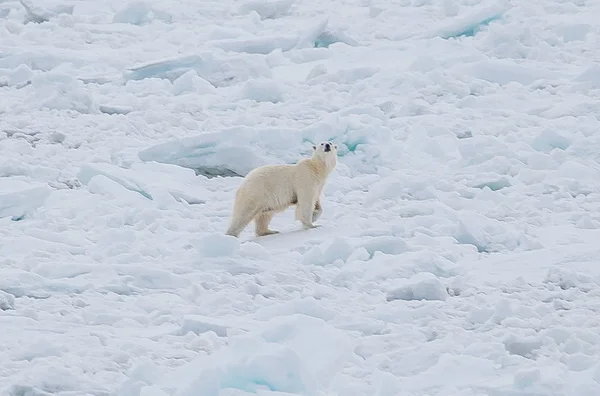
x,y
457,250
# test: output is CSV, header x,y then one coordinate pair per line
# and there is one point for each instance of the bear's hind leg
x,y
262,224
239,221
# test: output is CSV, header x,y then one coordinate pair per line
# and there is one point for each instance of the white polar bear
x,y
270,189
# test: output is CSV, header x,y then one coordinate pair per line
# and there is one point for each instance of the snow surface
x,y
458,250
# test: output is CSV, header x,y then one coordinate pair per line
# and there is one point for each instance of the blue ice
x,y
170,69
472,30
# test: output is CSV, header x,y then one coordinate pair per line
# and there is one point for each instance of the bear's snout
x,y
327,147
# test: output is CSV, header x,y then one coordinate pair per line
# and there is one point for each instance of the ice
x,y
19,199
59,91
262,90
37,14
230,152
219,70
170,68
384,244
423,286
315,37
548,140
7,301
477,18
202,324
190,81
270,9
566,279
307,306
322,36
590,76
103,178
139,13
257,45
487,235
328,38
457,252
217,245
505,71
252,367
20,76
329,252
112,110
287,356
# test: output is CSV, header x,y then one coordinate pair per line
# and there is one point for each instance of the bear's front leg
x,y
305,210
318,210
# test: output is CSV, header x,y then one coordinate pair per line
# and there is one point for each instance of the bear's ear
x,y
314,147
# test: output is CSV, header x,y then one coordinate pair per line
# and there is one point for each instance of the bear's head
x,y
327,152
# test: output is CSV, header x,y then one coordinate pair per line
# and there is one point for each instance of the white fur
x,y
271,189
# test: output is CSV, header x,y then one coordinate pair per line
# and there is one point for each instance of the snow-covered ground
x,y
458,252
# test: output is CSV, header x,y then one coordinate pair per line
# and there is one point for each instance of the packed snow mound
x,y
486,234
140,13
57,90
222,67
219,69
505,71
550,139
295,354
199,324
218,245
262,90
18,77
269,9
34,13
229,152
144,180
7,301
317,35
423,286
569,279
191,82
473,20
329,252
590,76
338,250
256,45
19,198
237,59
237,150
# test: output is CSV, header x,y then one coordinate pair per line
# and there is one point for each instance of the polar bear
x,y
271,189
